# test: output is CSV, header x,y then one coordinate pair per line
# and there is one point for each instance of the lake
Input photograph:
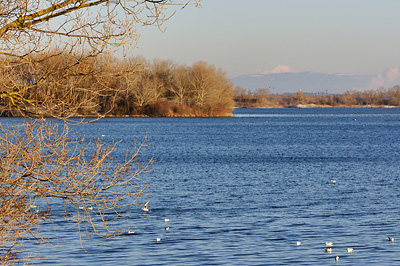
x,y
243,190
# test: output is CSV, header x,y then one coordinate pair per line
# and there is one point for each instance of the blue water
x,y
243,190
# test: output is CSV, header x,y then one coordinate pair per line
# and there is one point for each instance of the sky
x,y
277,36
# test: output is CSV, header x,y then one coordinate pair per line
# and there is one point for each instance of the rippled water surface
x,y
243,190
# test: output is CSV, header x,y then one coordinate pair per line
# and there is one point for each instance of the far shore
x,y
312,105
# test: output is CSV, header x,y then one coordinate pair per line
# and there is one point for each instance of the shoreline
x,y
300,106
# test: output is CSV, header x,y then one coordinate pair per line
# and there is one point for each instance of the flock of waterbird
x,y
146,210
328,247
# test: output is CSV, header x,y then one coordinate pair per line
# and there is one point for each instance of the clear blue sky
x,y
243,37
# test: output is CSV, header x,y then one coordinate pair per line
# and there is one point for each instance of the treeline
x,y
65,85
57,86
351,98
164,88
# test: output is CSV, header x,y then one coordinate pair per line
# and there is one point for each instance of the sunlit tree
x,y
209,86
56,60
78,30
180,85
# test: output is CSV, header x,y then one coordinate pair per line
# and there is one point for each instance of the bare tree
x,y
394,95
163,70
202,80
49,66
80,29
145,87
349,97
209,87
180,85
40,163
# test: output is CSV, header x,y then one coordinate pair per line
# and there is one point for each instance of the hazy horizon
x,y
356,37
310,82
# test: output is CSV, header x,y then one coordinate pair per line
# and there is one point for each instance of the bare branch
x,y
39,162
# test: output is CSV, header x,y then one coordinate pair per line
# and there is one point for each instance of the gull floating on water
x,y
298,243
337,258
329,250
82,208
329,244
158,240
391,239
145,206
167,228
333,181
131,232
166,220
349,250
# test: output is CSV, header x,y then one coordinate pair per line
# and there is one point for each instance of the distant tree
x,y
209,87
368,96
261,95
224,102
394,95
163,70
239,93
202,80
382,97
180,88
348,98
145,88
299,97
262,92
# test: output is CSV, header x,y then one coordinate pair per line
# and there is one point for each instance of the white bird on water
x,y
131,232
349,250
158,240
337,258
329,244
329,250
391,239
333,181
298,243
166,220
167,228
145,206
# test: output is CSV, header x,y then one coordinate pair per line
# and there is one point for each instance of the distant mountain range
x,y
308,82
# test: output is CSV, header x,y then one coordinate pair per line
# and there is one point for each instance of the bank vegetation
x,y
57,84
261,98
